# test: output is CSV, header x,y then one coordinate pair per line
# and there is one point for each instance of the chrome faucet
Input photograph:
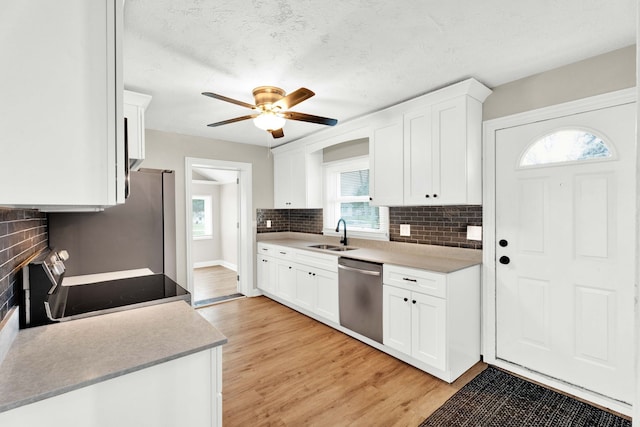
x,y
344,239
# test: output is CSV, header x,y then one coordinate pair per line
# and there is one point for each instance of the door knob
x,y
503,243
504,260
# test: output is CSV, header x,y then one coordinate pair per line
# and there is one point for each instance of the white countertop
x,y
426,257
50,360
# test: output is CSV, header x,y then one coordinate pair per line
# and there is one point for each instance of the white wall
x,y
206,250
165,150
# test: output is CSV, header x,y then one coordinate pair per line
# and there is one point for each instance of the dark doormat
x,y
495,398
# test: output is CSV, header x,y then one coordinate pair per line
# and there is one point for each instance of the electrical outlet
x,y
405,230
268,223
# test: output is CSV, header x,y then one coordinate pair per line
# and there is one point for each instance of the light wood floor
x,y
212,282
281,368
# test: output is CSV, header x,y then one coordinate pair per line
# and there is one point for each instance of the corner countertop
x,y
438,259
50,360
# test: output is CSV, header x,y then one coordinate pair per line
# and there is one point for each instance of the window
x,y
570,145
202,226
347,197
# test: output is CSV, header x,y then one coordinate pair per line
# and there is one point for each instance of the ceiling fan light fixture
x,y
269,121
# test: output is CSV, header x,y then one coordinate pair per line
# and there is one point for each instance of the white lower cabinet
x,y
266,273
430,320
285,280
428,329
302,279
317,291
327,295
433,318
182,392
305,287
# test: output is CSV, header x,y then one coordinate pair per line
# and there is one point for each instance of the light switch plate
x,y
268,223
405,230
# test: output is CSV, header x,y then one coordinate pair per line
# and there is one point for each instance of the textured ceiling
x,y
357,56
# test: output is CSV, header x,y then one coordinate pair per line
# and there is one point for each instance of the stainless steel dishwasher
x,y
360,291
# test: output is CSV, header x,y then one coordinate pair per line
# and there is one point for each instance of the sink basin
x,y
324,246
333,247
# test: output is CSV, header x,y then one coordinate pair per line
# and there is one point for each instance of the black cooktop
x,y
72,302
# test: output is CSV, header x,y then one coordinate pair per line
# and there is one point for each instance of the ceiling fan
x,y
271,108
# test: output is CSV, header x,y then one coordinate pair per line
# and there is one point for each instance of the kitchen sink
x,y
333,247
324,246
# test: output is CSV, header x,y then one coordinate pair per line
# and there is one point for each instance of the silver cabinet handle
x,y
369,272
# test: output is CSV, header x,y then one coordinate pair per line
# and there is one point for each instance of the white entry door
x,y
565,203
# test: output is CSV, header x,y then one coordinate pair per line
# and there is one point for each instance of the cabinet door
x,y
305,287
419,159
429,329
281,180
297,181
327,295
396,318
386,164
61,104
266,273
285,280
449,135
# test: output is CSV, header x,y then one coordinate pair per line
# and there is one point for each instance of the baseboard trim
x,y
221,262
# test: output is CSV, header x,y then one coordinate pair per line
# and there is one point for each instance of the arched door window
x,y
565,146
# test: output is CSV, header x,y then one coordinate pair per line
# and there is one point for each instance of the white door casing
x,y
561,311
246,232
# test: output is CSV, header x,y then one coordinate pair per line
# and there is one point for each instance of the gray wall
x,y
166,150
594,76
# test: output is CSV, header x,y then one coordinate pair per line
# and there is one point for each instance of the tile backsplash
x,y
23,233
436,225
430,225
298,220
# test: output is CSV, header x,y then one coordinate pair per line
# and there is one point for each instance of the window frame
x,y
331,200
208,216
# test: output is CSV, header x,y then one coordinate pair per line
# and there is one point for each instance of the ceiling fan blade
x,y
231,100
237,119
292,115
294,98
278,133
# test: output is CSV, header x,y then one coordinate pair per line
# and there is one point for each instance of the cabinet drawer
x,y
314,259
414,279
280,252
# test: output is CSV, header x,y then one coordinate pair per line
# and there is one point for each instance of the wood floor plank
x,y
213,282
281,368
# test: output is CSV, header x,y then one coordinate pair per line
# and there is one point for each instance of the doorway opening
x,y
218,206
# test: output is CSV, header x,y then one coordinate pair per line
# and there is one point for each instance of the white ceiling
x,y
358,56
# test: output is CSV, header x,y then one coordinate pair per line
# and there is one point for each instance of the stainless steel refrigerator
x,y
141,233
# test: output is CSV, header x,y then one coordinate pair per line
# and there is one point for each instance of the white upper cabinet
x,y
62,127
442,147
433,154
385,162
297,180
135,105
